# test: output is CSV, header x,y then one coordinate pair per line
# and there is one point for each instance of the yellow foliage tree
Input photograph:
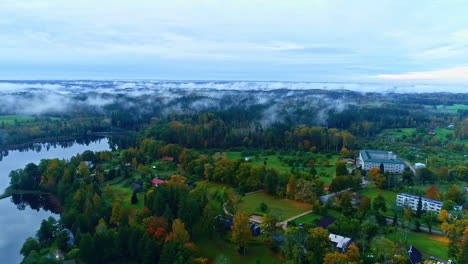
x,y
241,233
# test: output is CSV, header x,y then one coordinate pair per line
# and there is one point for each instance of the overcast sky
x,y
291,40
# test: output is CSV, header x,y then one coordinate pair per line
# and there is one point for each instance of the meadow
x,y
284,208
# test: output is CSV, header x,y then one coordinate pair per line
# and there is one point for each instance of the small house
x,y
341,243
169,159
156,182
431,133
414,255
419,165
255,229
137,186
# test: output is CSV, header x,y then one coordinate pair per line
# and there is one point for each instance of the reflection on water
x,y
37,202
39,147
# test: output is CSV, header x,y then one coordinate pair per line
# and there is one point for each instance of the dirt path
x,y
284,224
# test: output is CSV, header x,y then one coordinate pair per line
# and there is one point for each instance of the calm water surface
x,y
20,221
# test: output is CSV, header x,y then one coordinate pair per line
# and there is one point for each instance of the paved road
x,y
425,229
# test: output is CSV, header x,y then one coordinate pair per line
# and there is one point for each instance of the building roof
x,y
340,241
156,181
166,158
414,255
366,156
325,221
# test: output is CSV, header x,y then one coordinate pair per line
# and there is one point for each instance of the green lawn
x,y
399,132
11,119
284,208
257,251
310,219
372,192
273,161
449,107
428,244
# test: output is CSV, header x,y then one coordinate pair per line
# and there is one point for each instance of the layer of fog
x,y
278,100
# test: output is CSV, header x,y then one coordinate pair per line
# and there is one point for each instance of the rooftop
x,y
366,156
340,241
422,198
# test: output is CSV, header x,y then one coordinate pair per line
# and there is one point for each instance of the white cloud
x,y
458,74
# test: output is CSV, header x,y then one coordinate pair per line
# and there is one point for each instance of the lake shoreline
x,y
56,139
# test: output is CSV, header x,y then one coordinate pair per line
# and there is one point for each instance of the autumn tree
x,y
455,194
365,204
116,214
179,233
433,193
241,233
269,223
318,242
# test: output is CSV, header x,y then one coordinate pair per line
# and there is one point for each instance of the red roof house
x,y
156,182
166,158
432,133
326,187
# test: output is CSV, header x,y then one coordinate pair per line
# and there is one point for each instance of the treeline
x,y
210,131
46,128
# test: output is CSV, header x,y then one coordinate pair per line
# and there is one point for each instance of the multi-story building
x,y
411,201
369,159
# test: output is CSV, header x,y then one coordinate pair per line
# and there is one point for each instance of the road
x,y
424,229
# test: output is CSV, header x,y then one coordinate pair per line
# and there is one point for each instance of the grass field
x,y
284,208
11,119
309,219
123,195
257,251
372,192
428,244
449,107
273,161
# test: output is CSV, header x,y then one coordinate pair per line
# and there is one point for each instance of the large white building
x,y
369,159
411,201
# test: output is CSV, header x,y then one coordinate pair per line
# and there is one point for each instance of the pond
x,y
21,215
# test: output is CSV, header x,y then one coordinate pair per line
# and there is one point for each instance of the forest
x,y
177,187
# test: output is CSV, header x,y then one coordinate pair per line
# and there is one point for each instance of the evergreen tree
x,y
419,208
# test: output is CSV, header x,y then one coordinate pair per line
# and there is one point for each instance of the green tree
x,y
455,194
380,204
319,243
341,169
429,218
419,208
241,233
269,223
365,204
62,240
47,231
29,245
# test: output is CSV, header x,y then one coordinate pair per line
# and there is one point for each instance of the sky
x,y
290,40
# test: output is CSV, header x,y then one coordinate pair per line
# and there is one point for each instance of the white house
x,y
411,201
369,159
419,165
340,242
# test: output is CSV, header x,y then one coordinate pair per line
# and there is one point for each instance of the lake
x,y
21,216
